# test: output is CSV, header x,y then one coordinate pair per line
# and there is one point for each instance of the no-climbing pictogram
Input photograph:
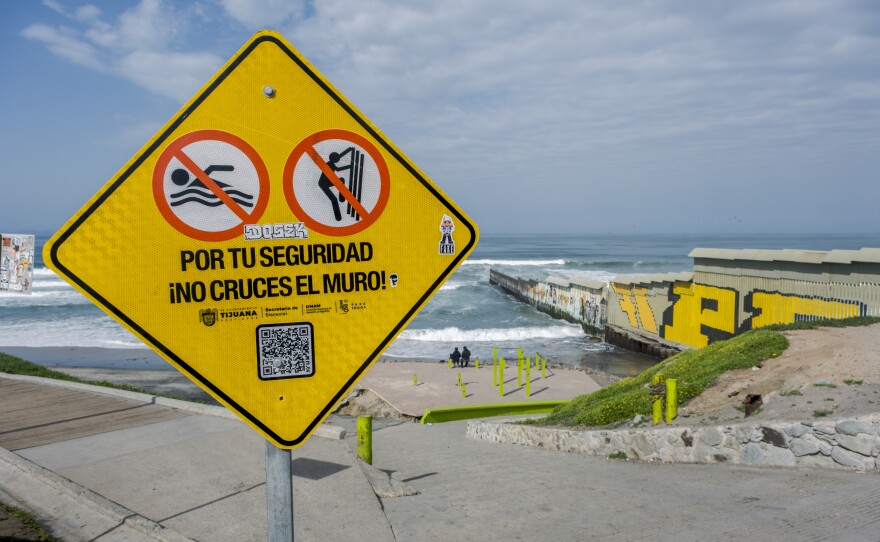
x,y
209,183
336,182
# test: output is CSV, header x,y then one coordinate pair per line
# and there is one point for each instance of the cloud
x,y
259,14
141,45
152,70
617,95
64,43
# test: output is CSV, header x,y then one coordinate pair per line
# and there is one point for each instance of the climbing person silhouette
x,y
325,184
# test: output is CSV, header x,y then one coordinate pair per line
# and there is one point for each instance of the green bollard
x,y
543,367
494,372
463,391
500,377
671,400
459,379
450,363
415,379
519,369
528,377
365,439
657,403
477,363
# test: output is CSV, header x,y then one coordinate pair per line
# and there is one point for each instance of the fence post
x,y
365,439
528,377
671,400
657,392
500,377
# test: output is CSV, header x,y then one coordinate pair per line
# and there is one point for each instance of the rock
x,y
800,447
847,459
772,436
702,453
639,420
795,431
709,436
753,454
853,428
820,461
779,457
862,444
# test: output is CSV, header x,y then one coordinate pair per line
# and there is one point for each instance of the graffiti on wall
x,y
586,306
767,308
699,314
633,301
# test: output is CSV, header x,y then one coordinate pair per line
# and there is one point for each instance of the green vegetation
x,y
695,371
851,382
824,385
17,366
619,454
28,521
821,413
792,392
815,324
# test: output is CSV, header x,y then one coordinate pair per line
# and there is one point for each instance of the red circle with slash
x,y
365,195
200,206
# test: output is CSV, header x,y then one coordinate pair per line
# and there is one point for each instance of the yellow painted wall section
x,y
682,327
701,314
646,315
626,304
776,308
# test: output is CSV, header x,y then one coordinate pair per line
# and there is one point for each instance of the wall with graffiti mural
x,y
577,300
729,292
733,291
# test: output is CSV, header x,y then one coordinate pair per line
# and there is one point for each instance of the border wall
x,y
730,291
581,301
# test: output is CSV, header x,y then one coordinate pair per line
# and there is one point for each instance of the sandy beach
x,y
389,381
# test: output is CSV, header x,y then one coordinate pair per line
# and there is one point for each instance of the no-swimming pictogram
x,y
208,183
336,182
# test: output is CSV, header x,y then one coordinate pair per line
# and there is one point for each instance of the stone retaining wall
x,y
851,444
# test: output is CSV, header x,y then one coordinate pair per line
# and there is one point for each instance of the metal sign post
x,y
279,494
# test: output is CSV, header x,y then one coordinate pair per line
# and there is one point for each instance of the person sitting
x,y
465,357
455,356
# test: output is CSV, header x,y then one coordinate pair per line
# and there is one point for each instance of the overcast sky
x,y
534,116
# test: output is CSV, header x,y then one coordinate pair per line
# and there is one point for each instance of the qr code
x,y
285,350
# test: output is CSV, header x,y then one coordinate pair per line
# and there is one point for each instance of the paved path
x,y
202,477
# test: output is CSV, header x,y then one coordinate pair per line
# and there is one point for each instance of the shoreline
x,y
145,369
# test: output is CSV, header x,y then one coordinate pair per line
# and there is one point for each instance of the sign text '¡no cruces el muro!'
x,y
278,286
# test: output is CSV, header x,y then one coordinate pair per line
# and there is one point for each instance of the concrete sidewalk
x,y
172,474
98,467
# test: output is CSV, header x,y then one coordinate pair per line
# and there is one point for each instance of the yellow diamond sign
x,y
269,241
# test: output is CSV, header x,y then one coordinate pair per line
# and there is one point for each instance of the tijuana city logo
x,y
209,317
288,230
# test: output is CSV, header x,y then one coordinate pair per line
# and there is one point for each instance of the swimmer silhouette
x,y
197,192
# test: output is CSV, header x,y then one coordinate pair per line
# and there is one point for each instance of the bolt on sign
x,y
269,242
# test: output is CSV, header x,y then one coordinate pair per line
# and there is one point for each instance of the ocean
x,y
467,311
